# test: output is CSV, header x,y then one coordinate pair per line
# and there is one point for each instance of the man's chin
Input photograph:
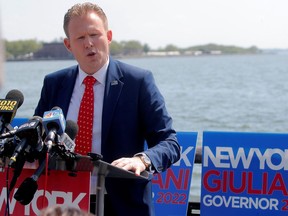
x,y
91,67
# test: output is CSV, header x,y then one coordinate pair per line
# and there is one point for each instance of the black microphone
x,y
7,147
8,108
71,129
29,186
67,138
30,135
66,146
16,95
18,167
25,128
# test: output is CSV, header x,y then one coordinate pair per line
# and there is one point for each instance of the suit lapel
x,y
66,89
112,93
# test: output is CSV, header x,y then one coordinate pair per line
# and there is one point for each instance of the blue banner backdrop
x,y
244,174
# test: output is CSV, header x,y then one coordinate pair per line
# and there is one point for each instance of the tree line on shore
x,y
25,49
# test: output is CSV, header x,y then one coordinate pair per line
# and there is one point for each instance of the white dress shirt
x,y
75,101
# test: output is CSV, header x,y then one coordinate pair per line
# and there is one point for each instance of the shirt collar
x,y
99,75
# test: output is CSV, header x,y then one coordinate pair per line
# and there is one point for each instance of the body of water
x,y
224,93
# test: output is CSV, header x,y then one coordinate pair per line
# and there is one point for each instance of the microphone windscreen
x,y
71,129
26,191
15,95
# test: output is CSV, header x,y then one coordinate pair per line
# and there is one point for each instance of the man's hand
x,y
132,164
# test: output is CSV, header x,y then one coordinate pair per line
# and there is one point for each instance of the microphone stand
x,y
29,186
17,171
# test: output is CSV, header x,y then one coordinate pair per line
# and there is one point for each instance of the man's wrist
x,y
145,160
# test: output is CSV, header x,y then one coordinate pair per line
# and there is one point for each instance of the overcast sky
x,y
184,23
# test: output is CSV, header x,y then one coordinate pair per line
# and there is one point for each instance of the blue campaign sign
x,y
171,188
244,174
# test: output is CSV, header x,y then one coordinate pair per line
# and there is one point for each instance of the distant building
x,y
194,53
163,53
53,51
215,52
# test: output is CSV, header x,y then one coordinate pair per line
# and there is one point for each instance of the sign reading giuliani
x,y
171,188
244,174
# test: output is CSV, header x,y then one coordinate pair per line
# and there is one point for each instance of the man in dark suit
x,y
128,110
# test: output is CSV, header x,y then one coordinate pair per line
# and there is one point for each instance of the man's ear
x,y
67,44
109,36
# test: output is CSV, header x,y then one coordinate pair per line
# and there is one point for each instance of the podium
x,y
102,170
60,169
107,170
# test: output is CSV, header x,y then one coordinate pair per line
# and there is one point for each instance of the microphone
x,y
54,125
71,129
8,108
30,135
15,95
18,167
67,138
7,147
24,129
66,146
29,186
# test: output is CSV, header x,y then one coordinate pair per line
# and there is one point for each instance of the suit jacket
x,y
133,112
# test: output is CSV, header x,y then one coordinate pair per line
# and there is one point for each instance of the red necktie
x,y
85,118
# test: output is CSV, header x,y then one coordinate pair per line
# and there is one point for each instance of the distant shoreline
x,y
33,50
141,56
